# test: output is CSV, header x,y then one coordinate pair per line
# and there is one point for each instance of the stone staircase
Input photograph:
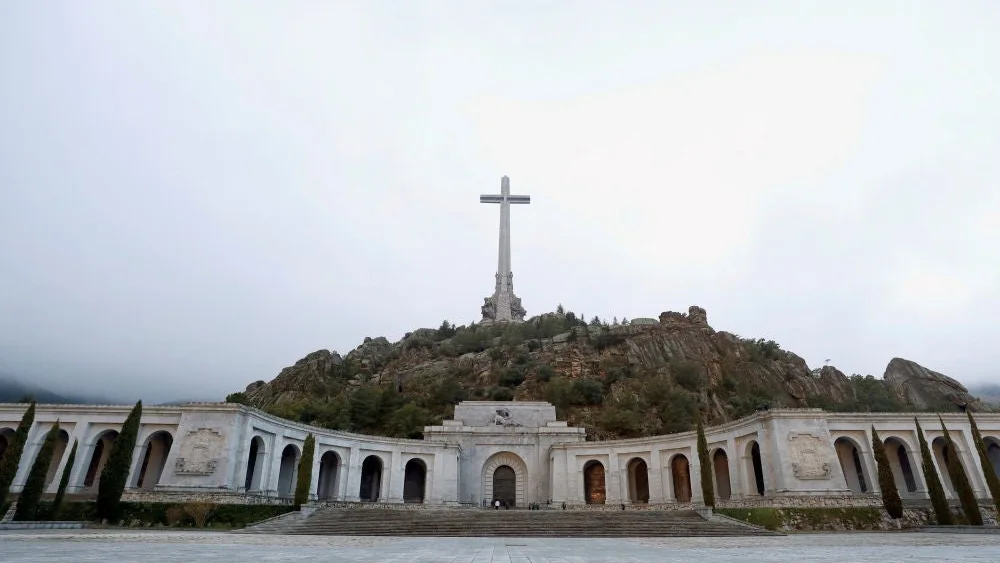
x,y
509,523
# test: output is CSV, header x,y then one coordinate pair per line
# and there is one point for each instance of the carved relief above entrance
x,y
200,450
809,456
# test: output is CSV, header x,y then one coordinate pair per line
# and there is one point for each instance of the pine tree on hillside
x,y
116,470
887,484
940,503
63,482
992,482
305,472
12,456
34,486
707,484
970,506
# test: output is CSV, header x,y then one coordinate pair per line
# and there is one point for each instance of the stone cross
x,y
503,305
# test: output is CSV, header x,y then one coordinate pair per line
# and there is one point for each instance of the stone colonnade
x,y
770,456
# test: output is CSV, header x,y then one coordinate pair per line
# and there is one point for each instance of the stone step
x,y
514,523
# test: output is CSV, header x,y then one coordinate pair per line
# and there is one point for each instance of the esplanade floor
x,y
206,547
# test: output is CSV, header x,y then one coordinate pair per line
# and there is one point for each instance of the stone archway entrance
x,y
505,478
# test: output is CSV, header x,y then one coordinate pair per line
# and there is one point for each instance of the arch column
x,y
392,480
352,482
613,481
269,481
654,472
79,470
737,489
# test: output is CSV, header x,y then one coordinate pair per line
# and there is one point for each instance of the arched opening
x,y
101,451
720,468
993,453
755,469
942,453
371,479
680,471
638,481
255,463
154,459
513,481
62,440
849,456
505,486
899,462
594,486
6,439
329,467
414,480
288,471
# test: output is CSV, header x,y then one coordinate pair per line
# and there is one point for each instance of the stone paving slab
x,y
59,546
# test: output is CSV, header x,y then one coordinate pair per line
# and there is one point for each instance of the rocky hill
x,y
617,380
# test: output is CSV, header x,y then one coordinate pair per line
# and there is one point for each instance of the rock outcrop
x,y
926,389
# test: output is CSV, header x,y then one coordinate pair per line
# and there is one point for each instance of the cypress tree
x,y
27,502
12,456
934,488
970,506
707,485
984,461
890,494
116,470
57,503
305,472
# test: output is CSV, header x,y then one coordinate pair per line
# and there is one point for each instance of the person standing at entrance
x,y
496,504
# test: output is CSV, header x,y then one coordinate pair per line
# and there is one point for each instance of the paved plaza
x,y
159,547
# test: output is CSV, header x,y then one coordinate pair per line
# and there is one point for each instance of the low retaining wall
x,y
209,497
868,501
42,525
841,518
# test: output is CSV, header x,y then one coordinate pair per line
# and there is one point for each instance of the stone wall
x,y
839,518
803,502
213,498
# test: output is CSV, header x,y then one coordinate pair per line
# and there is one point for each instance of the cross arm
x,y
491,199
519,198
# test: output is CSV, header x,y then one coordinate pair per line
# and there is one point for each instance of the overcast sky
x,y
194,195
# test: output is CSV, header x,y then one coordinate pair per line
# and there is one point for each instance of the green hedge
x,y
146,514
860,518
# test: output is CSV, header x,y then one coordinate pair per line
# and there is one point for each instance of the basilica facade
x,y
515,452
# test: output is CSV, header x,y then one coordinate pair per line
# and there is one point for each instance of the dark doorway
x,y
594,487
757,468
254,462
414,481
505,486
102,449
638,481
681,472
328,468
720,466
371,478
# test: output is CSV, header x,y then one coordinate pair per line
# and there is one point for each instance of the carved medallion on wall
x,y
809,456
200,451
